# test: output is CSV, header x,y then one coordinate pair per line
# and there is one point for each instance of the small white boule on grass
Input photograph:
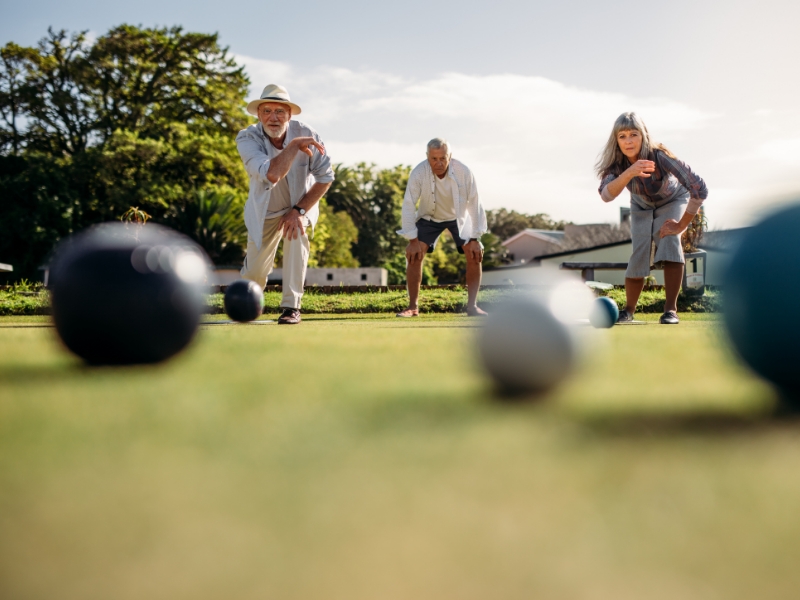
x,y
533,341
526,348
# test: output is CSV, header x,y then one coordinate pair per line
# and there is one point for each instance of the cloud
x,y
531,141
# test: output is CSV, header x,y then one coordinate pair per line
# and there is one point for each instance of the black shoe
x,y
290,316
625,317
669,318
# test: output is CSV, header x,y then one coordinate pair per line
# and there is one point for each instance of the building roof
x,y
578,250
546,235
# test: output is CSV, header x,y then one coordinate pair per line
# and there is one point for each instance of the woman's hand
x,y
671,227
641,168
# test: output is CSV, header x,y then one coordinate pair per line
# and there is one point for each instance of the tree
x,y
374,199
214,220
505,223
140,117
334,237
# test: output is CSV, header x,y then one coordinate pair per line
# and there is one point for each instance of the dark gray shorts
x,y
429,231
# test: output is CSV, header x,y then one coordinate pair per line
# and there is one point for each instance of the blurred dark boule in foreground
x,y
128,294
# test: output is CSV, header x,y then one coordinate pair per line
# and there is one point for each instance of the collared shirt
x,y
671,179
469,214
257,151
444,207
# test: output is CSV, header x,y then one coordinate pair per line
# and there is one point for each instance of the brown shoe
x,y
476,312
409,312
290,316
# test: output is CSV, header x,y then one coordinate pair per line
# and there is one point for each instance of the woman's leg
x,y
673,278
633,289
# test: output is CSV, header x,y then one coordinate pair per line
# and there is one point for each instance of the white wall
x,y
620,253
716,263
358,276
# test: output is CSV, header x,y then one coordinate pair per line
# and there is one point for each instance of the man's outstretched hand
x,y
304,144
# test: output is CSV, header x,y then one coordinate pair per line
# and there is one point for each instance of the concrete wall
x,y
359,276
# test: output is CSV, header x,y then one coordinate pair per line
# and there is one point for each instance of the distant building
x,y
607,243
530,243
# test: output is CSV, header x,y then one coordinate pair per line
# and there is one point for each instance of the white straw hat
x,y
273,93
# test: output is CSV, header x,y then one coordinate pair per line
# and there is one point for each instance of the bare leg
x,y
633,289
673,278
474,273
414,281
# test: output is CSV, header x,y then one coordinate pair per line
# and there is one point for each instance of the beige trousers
x,y
258,262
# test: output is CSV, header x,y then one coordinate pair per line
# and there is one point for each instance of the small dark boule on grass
x,y
128,294
244,300
604,313
761,301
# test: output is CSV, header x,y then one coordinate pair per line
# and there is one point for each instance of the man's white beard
x,y
284,127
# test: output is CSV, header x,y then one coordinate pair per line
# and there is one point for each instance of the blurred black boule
x,y
128,294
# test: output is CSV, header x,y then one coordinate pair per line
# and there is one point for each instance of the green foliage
x,y
24,298
373,198
140,117
135,215
396,268
334,236
432,301
694,232
214,220
504,223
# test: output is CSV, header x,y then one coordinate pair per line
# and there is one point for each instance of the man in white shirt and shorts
x,y
441,194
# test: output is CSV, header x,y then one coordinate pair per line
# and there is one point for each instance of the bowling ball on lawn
x,y
604,313
761,296
128,294
244,300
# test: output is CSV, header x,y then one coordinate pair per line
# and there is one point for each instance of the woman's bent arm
x,y
612,186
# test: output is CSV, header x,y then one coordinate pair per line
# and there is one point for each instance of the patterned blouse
x,y
671,179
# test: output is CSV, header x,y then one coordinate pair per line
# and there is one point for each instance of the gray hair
x,y
437,143
612,159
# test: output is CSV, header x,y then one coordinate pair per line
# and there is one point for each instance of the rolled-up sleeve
x,y
410,198
321,167
609,177
689,179
476,213
256,161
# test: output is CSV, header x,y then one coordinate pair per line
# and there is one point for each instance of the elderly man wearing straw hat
x,y
289,172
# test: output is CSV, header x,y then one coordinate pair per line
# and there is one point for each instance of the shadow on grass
x,y
782,416
69,370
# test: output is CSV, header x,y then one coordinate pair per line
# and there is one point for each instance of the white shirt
x,y
469,214
444,207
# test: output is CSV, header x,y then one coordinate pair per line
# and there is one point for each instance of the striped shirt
x,y
671,179
257,151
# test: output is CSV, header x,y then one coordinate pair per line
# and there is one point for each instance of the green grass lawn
x,y
353,457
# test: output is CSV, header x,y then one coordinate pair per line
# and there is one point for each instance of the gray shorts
x,y
649,250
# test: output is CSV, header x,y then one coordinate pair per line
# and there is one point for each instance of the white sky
x,y
526,92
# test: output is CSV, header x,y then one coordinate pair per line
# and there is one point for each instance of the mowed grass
x,y
351,458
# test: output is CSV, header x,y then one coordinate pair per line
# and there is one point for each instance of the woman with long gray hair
x,y
665,196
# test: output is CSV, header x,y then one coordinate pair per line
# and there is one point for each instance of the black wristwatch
x,y
302,211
